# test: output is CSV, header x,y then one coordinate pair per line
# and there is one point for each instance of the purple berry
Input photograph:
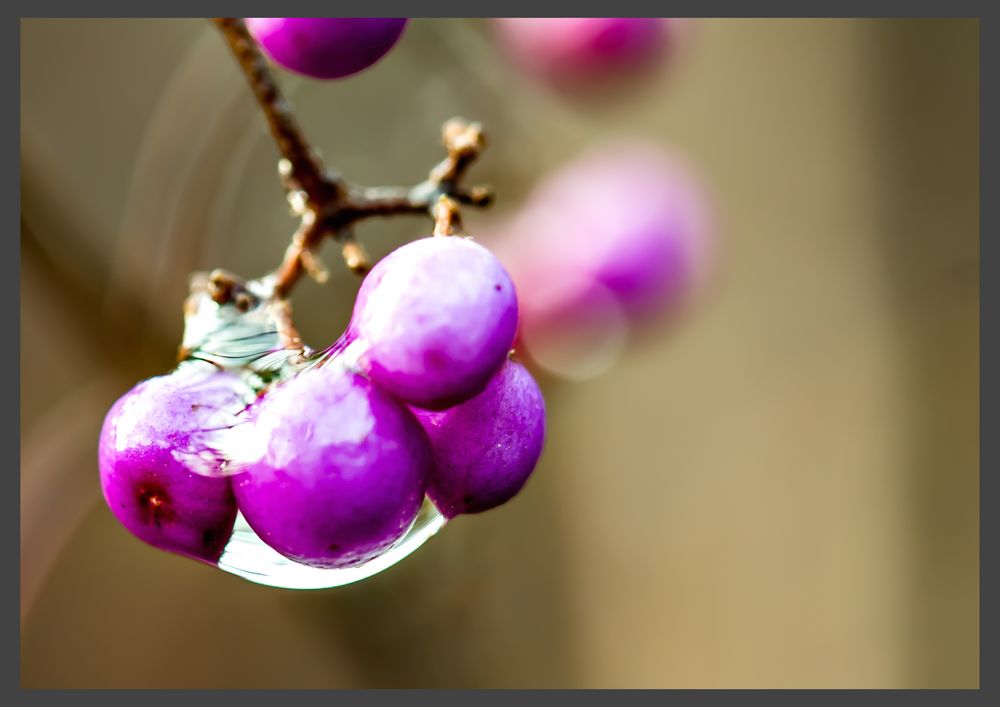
x,y
628,238
435,319
159,474
627,218
485,449
576,50
325,47
333,470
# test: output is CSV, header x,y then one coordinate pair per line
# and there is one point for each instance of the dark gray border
x,y
989,56
989,59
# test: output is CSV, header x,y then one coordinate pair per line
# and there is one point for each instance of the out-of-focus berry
x,y
622,236
573,52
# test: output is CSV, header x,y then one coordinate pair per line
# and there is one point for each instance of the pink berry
x,y
619,237
574,50
628,216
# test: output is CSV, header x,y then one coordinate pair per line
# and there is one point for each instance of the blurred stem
x,y
447,217
326,204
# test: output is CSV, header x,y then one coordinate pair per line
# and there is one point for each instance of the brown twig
x,y
447,217
326,204
281,314
307,171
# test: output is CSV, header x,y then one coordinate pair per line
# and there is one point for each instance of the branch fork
x,y
326,204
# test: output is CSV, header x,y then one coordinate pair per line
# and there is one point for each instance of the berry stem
x,y
307,170
326,204
447,217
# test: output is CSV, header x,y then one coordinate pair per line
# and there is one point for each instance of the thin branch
x,y
306,168
326,204
447,217
464,143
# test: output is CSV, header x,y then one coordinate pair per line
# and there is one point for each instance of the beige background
x,y
780,491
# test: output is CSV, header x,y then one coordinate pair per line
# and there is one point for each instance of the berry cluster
x,y
330,464
332,458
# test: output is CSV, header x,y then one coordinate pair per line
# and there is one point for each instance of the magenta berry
x,y
434,320
325,47
485,449
334,469
628,219
159,474
628,239
565,50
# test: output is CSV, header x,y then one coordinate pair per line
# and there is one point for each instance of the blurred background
x,y
780,490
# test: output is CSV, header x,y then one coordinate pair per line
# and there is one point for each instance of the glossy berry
x,y
325,47
333,470
434,320
573,50
485,449
160,476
